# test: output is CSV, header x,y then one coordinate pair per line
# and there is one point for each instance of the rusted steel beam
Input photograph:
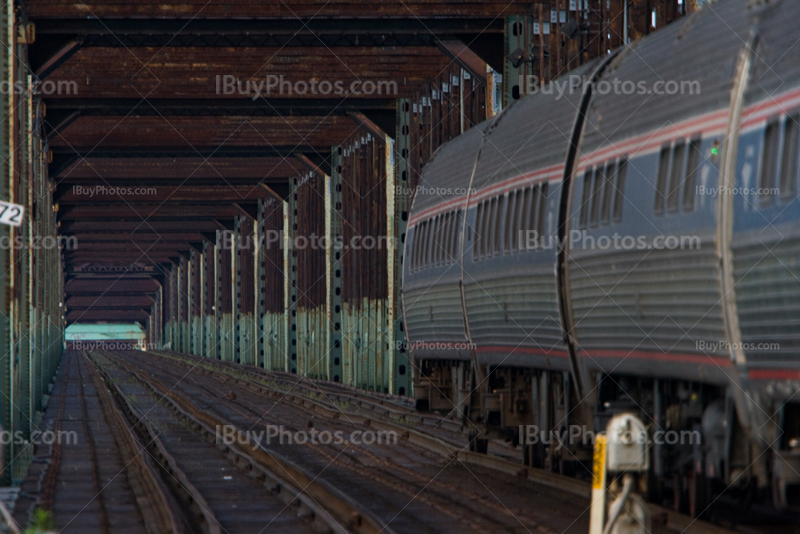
x,y
144,212
254,170
277,182
136,301
134,248
138,237
306,10
261,133
72,194
364,122
308,164
277,193
224,224
464,57
58,57
106,315
55,128
248,210
158,226
396,71
98,257
217,107
201,32
95,294
103,286
220,151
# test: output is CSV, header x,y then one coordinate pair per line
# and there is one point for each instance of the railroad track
x,y
380,405
225,496
137,466
94,480
419,484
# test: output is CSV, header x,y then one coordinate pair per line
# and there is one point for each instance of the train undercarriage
x,y
700,450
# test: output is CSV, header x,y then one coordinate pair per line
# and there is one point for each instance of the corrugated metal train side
x,y
564,266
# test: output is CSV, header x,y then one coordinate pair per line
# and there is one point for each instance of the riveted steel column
x,y
245,291
333,264
235,294
183,304
172,306
6,133
290,255
273,258
196,301
310,257
25,255
403,172
210,344
518,35
260,286
225,291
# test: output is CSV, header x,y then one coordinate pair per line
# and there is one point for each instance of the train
x,y
626,238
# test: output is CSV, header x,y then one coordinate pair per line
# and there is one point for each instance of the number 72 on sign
x,y
11,214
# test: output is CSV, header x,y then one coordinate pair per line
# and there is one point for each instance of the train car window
x,y
451,249
529,210
620,191
454,241
449,238
415,248
497,204
789,160
520,239
608,192
476,246
511,207
519,201
542,211
423,253
420,238
587,185
769,164
439,240
430,249
484,229
530,225
661,182
423,246
597,194
412,258
676,176
444,234
428,245
432,244
692,170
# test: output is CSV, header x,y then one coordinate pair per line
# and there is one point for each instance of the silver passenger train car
x,y
628,238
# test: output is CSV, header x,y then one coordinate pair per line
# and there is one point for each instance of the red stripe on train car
x,y
524,350
774,374
722,361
